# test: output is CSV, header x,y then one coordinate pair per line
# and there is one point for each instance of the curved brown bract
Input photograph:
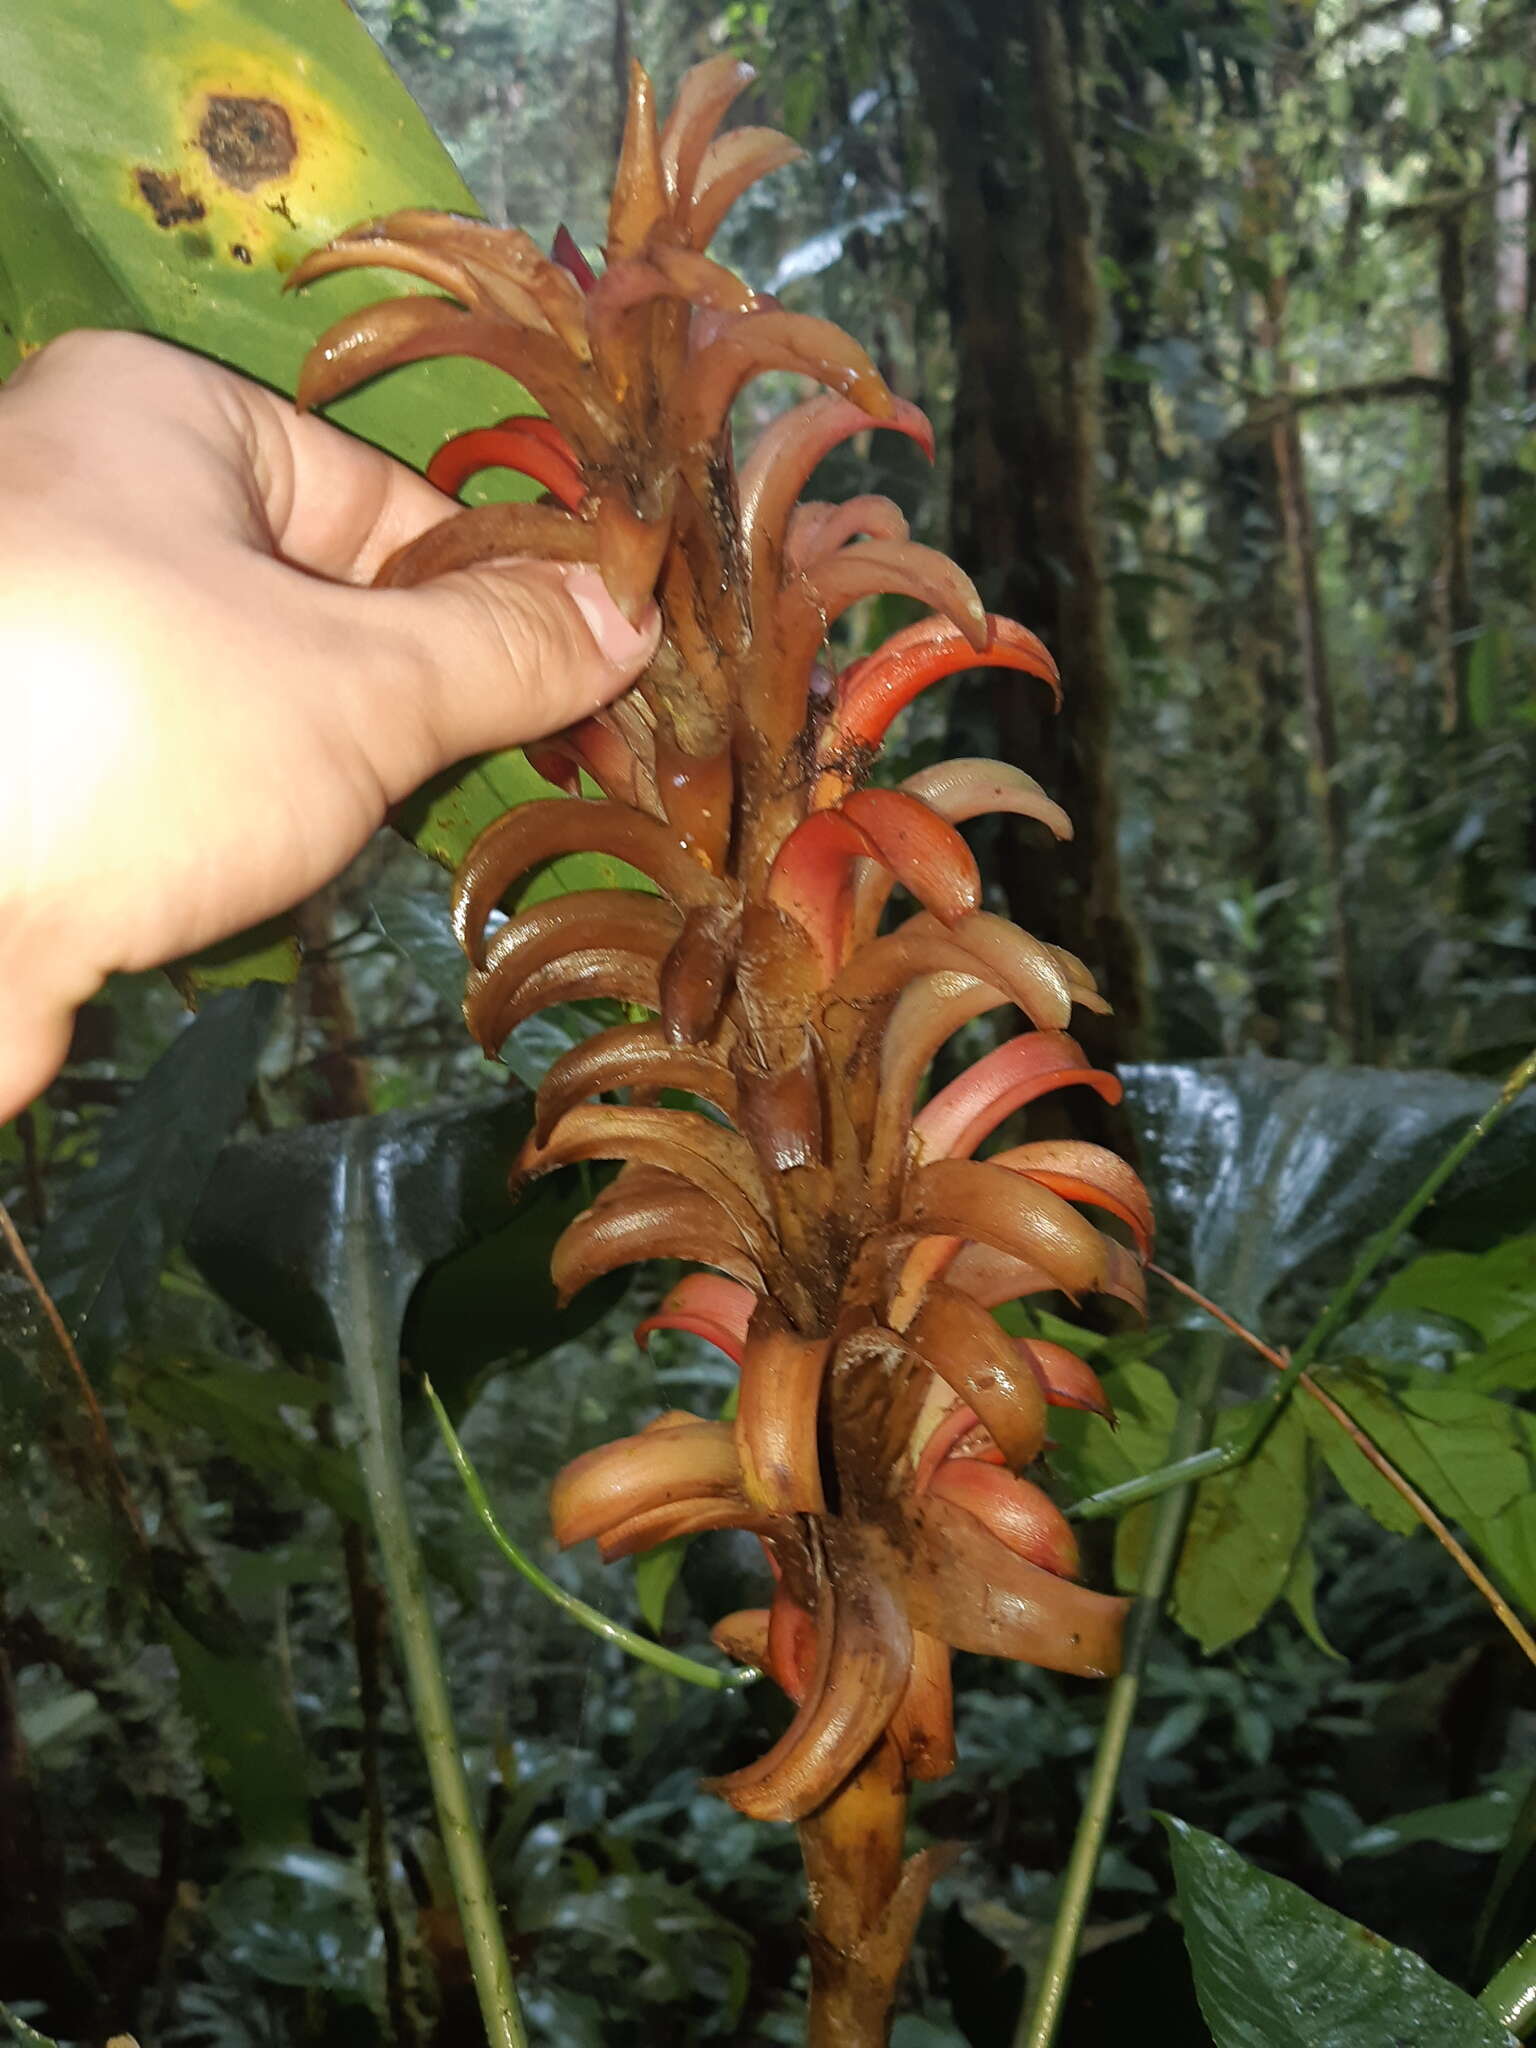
x,y
525,839
969,1350
852,1252
631,1056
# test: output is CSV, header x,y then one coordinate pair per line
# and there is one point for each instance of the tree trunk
x,y
1317,685
1001,90
1460,615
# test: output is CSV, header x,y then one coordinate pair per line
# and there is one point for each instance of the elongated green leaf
x,y
1481,1824
250,1746
102,1254
1274,1969
22,2034
1300,1595
1509,1911
656,1573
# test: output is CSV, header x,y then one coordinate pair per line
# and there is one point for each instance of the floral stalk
x,y
852,1244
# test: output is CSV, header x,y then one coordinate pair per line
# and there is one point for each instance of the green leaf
x,y
267,952
1509,1910
25,2036
1089,1454
1508,1544
656,1573
1462,1450
251,1748
1300,1595
1244,1529
1492,1293
102,1254
1479,1825
191,156
446,816
1274,1969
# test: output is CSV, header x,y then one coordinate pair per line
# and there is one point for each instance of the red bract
x,y
853,1254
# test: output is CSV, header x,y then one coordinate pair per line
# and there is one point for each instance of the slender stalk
x,y
1510,1994
367,1317
1113,1500
1038,2024
671,1661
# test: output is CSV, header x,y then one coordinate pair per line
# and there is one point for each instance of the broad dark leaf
x,y
270,1233
1274,1969
1266,1171
101,1256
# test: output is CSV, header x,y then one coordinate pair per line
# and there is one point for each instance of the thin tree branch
x,y
1271,406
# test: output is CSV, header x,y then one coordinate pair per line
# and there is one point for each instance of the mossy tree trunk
x,y
1004,92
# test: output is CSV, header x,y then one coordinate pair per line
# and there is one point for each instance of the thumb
x,y
489,657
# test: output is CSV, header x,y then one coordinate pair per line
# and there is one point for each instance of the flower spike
x,y
845,1254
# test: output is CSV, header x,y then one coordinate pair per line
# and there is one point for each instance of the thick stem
x,y
1038,2024
852,1851
369,1331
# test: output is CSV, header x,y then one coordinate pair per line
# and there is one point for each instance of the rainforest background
x,y
1223,313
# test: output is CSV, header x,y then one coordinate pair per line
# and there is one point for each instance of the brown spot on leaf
x,y
247,141
168,199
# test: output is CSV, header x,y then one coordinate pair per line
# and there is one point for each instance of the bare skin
x,y
206,713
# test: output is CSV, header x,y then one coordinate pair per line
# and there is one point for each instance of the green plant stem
x,y
1510,1994
1038,2023
370,1357
641,1647
1114,1500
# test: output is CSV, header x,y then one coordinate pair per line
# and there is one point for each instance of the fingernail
x,y
624,645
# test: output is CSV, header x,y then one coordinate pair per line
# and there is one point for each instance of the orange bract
x,y
855,1257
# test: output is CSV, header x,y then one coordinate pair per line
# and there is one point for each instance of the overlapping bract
x,y
851,1252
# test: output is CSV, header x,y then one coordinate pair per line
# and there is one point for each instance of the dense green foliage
x,y
1314,257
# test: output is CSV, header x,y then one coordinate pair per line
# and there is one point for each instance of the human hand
x,y
205,717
